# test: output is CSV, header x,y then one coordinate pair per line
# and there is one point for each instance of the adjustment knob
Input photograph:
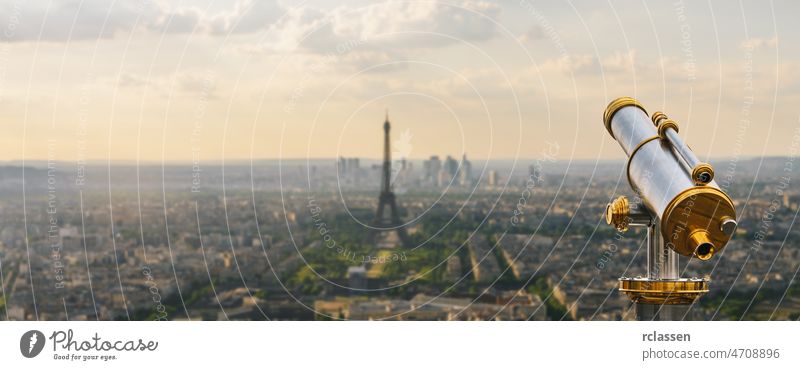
x,y
618,213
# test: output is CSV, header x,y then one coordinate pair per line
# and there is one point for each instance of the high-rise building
x,y
348,165
431,168
353,165
465,173
450,167
493,178
447,173
443,178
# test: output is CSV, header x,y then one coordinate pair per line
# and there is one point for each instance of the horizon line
x,y
95,162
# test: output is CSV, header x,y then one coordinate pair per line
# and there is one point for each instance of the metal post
x,y
662,262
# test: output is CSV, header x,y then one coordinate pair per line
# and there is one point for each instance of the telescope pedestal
x,y
662,295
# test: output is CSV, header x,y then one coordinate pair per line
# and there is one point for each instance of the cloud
x,y
300,28
182,20
534,33
620,61
755,43
190,84
569,64
131,80
402,24
76,20
385,25
197,84
368,60
413,23
246,16
69,19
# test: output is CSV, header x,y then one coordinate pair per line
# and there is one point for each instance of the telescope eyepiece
x,y
702,245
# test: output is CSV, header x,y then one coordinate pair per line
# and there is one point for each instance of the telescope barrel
x,y
695,216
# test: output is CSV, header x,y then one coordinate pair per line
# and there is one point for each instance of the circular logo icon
x,y
31,343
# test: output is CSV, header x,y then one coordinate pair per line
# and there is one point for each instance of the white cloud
x,y
568,64
755,43
246,16
620,61
77,20
385,25
404,24
69,19
183,20
191,84
534,33
301,28
625,62
472,22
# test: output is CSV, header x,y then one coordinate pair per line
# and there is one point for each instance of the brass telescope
x,y
682,207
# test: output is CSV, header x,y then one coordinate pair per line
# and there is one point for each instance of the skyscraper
x,y
493,178
432,167
465,172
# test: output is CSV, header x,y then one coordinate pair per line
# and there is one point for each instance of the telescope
x,y
684,210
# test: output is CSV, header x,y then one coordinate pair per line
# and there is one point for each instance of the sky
x,y
201,80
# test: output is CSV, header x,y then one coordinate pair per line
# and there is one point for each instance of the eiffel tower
x,y
387,198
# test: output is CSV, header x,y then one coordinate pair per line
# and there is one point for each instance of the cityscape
x,y
473,183
453,239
